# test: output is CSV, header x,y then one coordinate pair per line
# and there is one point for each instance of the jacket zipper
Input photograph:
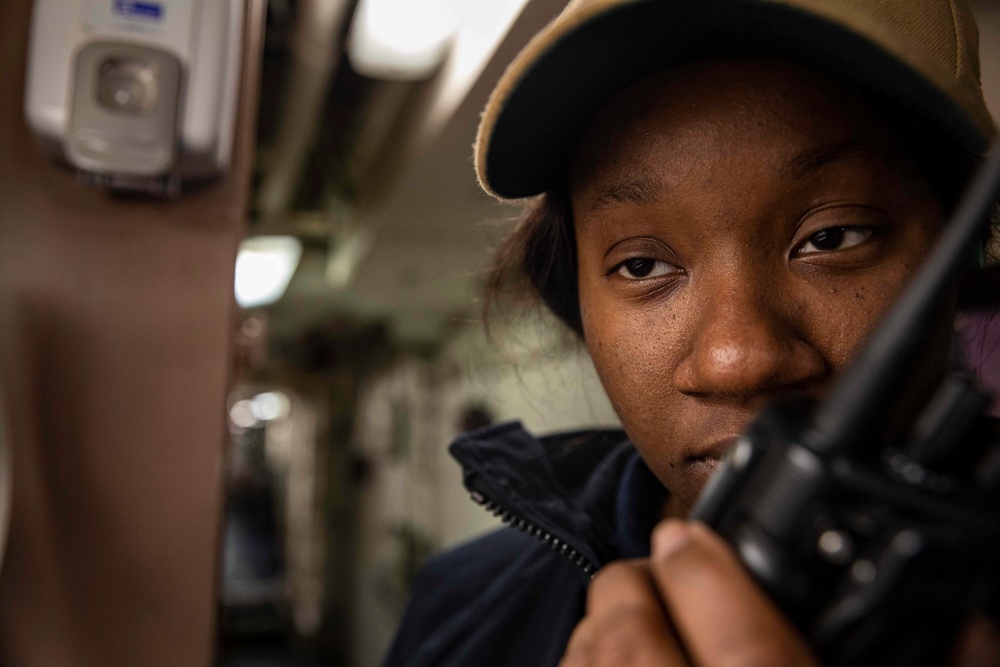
x,y
559,546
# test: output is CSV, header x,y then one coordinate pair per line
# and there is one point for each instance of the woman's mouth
x,y
704,460
712,452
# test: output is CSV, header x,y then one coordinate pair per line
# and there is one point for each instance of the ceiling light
x,y
401,39
483,25
241,414
264,267
270,406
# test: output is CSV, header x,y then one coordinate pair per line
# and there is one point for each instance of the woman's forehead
x,y
782,111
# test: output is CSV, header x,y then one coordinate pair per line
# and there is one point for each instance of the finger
x,y
625,639
719,613
625,623
623,583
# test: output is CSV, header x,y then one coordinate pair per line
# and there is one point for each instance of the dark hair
x,y
536,261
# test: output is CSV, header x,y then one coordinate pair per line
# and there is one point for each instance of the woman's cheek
x,y
839,316
632,347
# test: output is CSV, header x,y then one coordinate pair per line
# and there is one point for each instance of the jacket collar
x,y
587,489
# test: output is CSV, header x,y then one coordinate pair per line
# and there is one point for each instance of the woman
x,y
732,193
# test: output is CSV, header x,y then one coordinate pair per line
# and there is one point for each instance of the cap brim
x,y
530,131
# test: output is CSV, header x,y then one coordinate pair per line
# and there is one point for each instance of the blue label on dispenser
x,y
134,9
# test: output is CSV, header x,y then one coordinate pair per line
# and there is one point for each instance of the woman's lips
x,y
702,464
712,452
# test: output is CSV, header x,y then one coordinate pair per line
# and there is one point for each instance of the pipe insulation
x,y
315,53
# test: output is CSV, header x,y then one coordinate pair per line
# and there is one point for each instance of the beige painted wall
x,y
114,340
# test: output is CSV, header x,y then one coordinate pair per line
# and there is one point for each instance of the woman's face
x,y
741,226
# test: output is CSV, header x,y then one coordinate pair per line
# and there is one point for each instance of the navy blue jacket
x,y
573,502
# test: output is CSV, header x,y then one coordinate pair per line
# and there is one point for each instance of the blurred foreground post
x,y
115,324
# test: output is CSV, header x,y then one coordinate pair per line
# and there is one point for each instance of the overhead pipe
x,y
315,54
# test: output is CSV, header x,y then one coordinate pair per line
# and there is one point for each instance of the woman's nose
x,y
744,345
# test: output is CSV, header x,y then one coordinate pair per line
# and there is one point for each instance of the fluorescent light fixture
x,y
483,25
403,40
264,267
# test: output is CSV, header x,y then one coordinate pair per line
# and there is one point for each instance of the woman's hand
x,y
693,603
690,603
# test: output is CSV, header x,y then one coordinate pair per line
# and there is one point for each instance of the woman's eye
x,y
643,267
835,238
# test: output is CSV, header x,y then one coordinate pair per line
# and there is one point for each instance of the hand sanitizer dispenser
x,y
136,94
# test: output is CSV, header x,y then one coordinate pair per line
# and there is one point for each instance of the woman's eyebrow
x,y
640,191
646,189
812,159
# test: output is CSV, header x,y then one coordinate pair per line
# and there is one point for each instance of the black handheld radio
x,y
878,551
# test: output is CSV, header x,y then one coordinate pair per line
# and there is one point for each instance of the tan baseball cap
x,y
923,54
